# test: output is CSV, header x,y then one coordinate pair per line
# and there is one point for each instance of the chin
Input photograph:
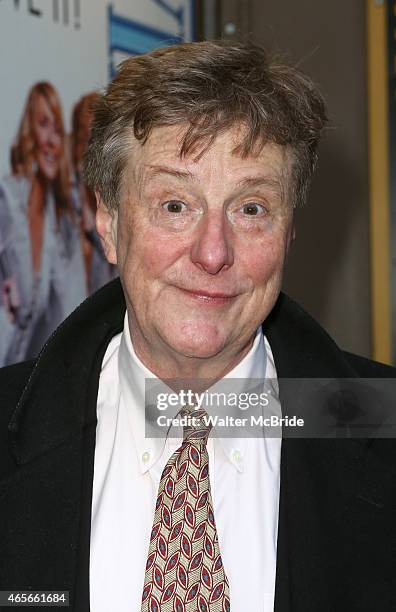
x,y
50,176
199,343
48,172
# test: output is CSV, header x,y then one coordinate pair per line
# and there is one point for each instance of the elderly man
x,y
199,155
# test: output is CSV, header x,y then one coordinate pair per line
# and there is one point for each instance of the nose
x,y
212,249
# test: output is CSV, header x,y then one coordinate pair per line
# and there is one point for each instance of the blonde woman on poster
x,y
40,250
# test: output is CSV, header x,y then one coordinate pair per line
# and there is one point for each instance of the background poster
x,y
54,55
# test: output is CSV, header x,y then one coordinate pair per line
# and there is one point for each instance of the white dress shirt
x,y
244,478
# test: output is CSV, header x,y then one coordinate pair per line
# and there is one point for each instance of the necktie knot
x,y
198,424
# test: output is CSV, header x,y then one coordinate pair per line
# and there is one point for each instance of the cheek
x,y
147,252
264,259
57,142
39,138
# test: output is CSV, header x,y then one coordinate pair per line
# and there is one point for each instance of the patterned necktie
x,y
184,570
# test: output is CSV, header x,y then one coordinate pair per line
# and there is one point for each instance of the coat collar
x,y
301,347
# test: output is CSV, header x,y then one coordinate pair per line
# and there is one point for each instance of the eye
x,y
253,209
174,206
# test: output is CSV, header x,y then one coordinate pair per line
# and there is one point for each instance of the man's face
x,y
201,244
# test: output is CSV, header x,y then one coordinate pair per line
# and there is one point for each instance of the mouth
x,y
49,157
208,297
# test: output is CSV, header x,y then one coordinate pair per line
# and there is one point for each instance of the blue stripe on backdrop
x,y
132,37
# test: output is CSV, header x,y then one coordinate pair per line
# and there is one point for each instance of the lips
x,y
209,297
208,294
49,157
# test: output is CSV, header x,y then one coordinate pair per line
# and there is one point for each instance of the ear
x,y
106,225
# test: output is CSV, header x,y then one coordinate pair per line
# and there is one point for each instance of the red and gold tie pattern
x,y
184,570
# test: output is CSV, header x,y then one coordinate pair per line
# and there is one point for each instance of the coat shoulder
x,y
13,380
367,368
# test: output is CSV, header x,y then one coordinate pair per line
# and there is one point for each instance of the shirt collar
x,y
257,363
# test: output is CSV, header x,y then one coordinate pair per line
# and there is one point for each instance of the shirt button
x,y
236,456
146,457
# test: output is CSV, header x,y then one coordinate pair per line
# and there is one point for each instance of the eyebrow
x,y
159,170
250,181
259,181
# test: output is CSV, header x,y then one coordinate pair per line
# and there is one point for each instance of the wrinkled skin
x,y
201,246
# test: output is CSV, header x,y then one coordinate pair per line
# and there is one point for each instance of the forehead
x,y
41,104
162,151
